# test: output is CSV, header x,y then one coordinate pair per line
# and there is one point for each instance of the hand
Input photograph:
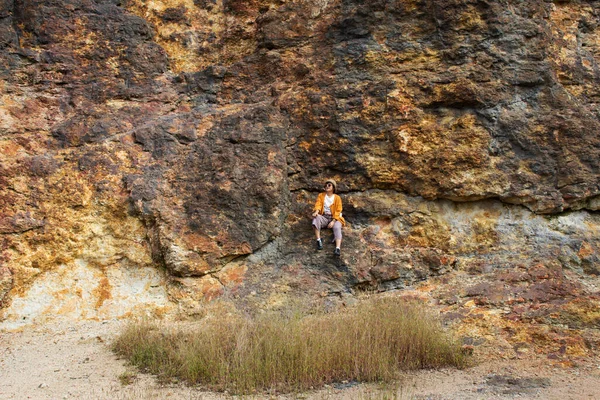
x,y
314,214
330,225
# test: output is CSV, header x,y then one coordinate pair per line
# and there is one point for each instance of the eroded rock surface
x,y
158,155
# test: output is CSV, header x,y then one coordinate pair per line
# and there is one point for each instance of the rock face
x,y
157,155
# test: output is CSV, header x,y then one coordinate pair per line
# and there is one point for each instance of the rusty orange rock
x,y
179,147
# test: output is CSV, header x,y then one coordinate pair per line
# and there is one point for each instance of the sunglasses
x,y
328,184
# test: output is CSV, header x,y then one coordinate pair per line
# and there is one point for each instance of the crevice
x,y
571,184
215,277
230,259
495,198
15,24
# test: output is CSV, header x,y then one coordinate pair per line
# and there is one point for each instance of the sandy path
x,y
75,362
72,362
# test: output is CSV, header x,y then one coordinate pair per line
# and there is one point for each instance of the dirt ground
x,y
75,362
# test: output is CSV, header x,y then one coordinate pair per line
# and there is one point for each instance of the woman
x,y
327,213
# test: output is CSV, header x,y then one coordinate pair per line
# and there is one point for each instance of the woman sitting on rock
x,y
327,213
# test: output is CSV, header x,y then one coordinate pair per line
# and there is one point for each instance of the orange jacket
x,y
336,207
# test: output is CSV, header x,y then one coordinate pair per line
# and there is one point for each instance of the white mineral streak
x,y
79,291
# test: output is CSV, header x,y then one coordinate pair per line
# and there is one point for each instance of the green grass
x,y
371,342
127,378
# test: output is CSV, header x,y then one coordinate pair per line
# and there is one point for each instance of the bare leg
x,y
317,232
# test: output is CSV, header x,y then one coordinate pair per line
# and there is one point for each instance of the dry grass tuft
x,y
127,378
372,342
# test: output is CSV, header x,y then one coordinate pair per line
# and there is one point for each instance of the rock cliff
x,y
156,155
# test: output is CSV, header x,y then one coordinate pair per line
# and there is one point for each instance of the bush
x,y
373,341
